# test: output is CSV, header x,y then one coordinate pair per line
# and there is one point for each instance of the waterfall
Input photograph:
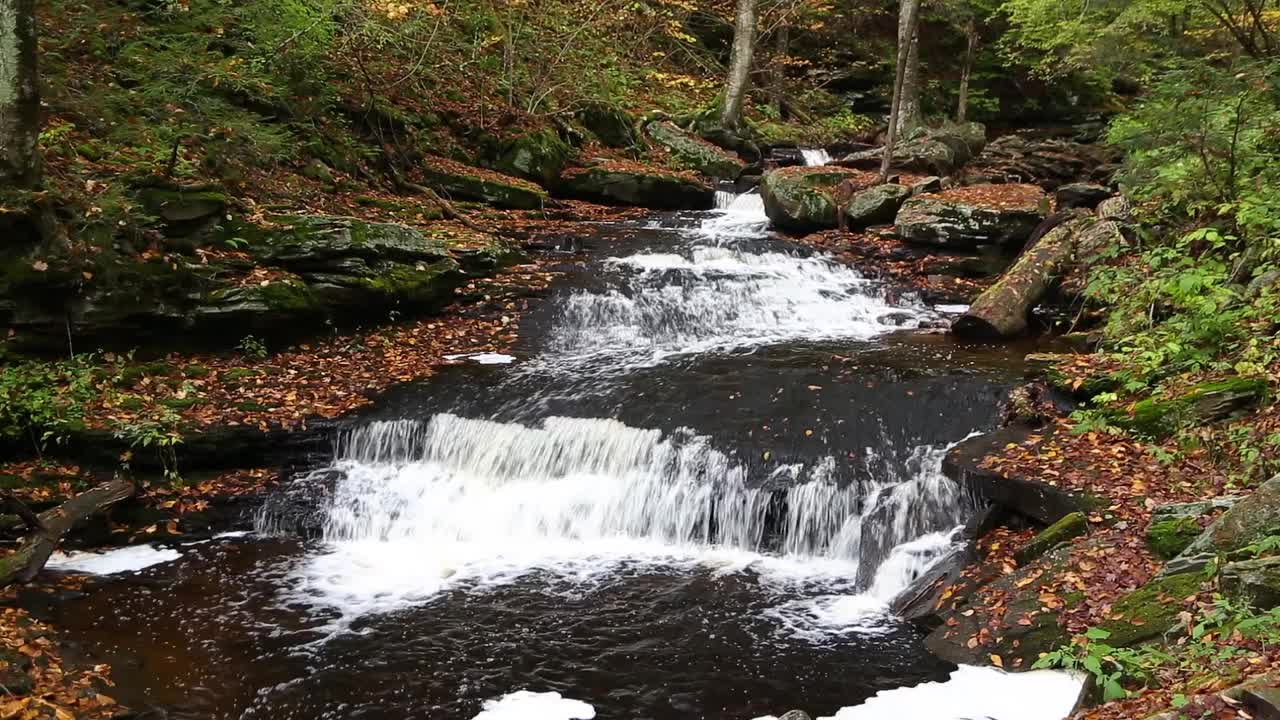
x,y
815,156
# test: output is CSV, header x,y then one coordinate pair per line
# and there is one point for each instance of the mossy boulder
x,y
323,242
463,182
694,153
1151,610
1249,521
807,198
1159,417
1254,582
539,156
183,207
611,125
638,185
1050,367
1174,527
1064,531
964,225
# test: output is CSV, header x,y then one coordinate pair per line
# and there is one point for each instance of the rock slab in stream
x,y
630,185
694,153
804,199
1042,503
959,225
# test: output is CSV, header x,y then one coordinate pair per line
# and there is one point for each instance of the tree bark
x,y
1001,311
34,552
962,105
744,43
19,95
912,8
909,113
782,48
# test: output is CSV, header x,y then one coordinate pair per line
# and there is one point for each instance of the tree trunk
x,y
962,105
34,552
744,42
912,8
781,47
19,95
909,114
1001,311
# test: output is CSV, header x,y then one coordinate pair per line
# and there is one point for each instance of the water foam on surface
x,y
976,692
526,705
127,559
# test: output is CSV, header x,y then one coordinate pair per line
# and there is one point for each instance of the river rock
x,y
1160,417
463,182
804,198
1040,502
1151,610
1247,522
1081,195
936,220
935,150
694,153
1174,527
1253,582
632,184
612,125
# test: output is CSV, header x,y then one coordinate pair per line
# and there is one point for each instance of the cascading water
x,y
815,156
711,464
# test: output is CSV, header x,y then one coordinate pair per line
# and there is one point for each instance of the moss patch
x,y
1152,610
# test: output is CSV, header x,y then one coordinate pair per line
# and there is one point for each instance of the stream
x,y
690,492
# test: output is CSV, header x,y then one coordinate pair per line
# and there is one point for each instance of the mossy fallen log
x,y
50,526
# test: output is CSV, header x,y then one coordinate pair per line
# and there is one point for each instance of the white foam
x,y
976,692
815,156
526,705
128,559
485,358
952,309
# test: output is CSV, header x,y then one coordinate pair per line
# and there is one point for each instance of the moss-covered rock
x,y
539,155
1151,610
960,225
808,198
694,153
1174,527
180,206
1208,402
1050,367
1065,530
1249,521
611,125
935,150
1254,582
463,182
630,184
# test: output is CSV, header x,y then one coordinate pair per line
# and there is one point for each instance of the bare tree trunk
x,y
909,113
912,8
19,94
962,105
49,527
744,43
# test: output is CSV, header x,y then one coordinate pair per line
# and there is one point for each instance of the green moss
x,y
1063,531
418,285
196,371
10,482
1169,537
1152,610
237,374
182,403
132,403
287,296
250,406
1161,417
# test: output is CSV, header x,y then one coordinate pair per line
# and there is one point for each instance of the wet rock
x,y
1065,530
1042,503
628,184
919,602
1253,582
461,182
1027,631
935,150
933,220
803,198
1174,527
1263,703
806,198
796,715
694,153
1081,195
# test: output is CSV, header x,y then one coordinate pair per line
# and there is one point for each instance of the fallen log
x,y
50,526
1001,311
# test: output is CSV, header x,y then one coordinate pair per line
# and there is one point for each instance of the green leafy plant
x,y
44,401
252,347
